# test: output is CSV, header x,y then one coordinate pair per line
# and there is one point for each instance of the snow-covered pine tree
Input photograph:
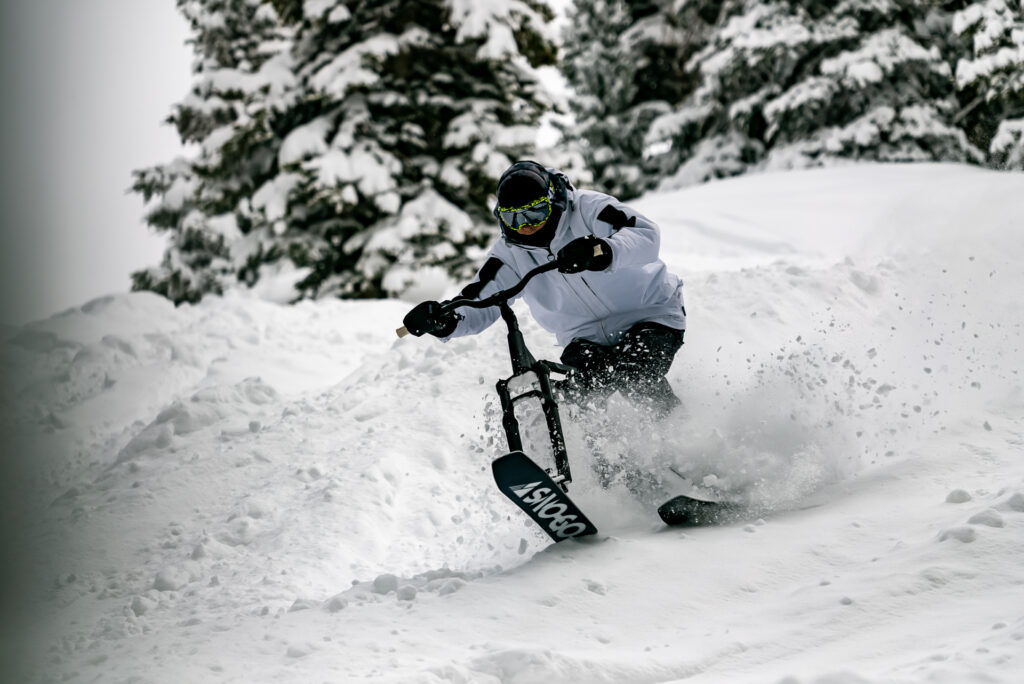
x,y
421,106
372,167
242,74
627,62
990,78
791,83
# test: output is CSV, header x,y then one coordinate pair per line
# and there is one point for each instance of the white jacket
x,y
599,306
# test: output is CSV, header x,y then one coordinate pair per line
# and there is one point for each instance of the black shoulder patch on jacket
x,y
616,217
487,273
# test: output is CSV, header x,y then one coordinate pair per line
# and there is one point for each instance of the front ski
x,y
531,488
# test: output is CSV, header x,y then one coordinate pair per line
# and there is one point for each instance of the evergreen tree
x,y
422,106
990,78
368,165
627,62
242,70
791,83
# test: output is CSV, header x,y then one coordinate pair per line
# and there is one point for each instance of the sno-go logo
x,y
544,503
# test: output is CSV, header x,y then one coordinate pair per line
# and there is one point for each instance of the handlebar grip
x,y
402,332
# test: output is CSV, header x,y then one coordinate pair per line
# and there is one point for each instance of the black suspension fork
x,y
524,363
554,421
550,408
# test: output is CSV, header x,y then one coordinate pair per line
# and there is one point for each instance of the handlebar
x,y
498,297
502,296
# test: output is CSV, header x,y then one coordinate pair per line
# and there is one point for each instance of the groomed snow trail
x,y
243,492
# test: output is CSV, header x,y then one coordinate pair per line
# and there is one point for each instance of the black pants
x,y
636,367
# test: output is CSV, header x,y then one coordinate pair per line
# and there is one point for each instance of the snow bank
x,y
243,491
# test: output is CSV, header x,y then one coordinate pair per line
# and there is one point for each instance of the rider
x,y
613,304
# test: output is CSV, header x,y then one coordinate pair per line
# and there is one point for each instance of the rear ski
x,y
692,504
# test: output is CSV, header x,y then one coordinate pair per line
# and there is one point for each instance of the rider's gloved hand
x,y
430,317
584,254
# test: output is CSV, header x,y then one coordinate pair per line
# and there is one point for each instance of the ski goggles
x,y
528,216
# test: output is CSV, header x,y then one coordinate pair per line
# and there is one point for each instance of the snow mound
x,y
244,491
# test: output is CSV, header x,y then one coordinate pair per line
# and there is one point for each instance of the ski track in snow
x,y
243,492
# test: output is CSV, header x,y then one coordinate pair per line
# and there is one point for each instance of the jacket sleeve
x,y
634,238
493,276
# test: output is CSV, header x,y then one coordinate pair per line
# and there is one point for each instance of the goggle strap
x,y
549,197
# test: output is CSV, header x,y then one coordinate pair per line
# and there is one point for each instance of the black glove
x,y
430,317
584,254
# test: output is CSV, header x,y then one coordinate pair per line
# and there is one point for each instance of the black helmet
x,y
522,183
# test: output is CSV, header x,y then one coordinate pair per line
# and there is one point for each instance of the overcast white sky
x,y
86,87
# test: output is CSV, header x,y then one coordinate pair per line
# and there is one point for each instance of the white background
x,y
87,86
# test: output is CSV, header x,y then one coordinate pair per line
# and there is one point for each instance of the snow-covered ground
x,y
245,492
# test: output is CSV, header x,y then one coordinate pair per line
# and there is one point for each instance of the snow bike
x,y
542,493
